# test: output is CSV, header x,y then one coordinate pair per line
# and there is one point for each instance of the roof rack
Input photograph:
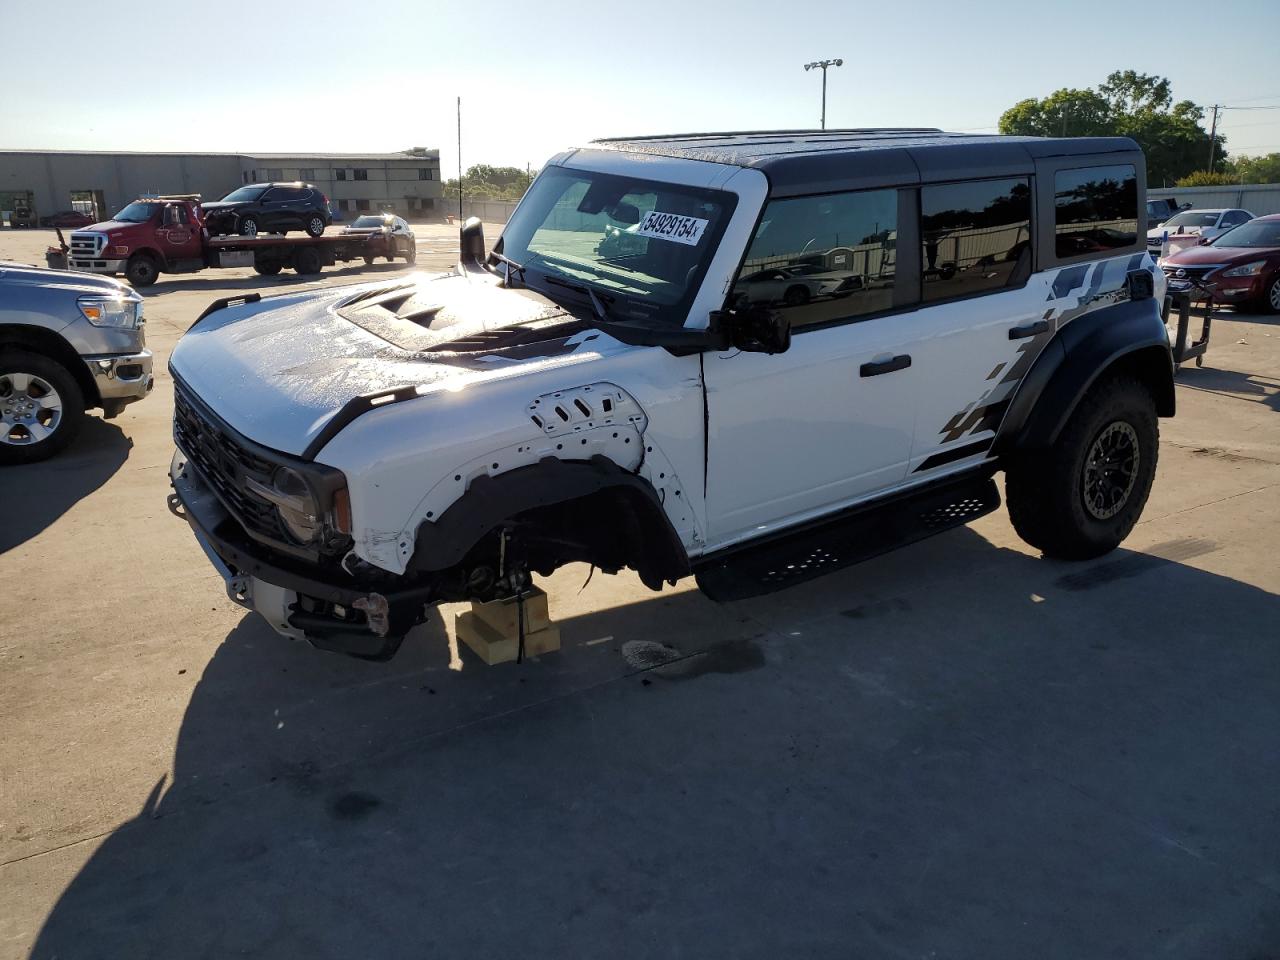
x,y
829,131
175,196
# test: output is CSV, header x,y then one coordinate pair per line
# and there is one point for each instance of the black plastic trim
x,y
236,301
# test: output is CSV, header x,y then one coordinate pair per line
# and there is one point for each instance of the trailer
x,y
155,235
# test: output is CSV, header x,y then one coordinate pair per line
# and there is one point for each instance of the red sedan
x,y
67,218
1241,266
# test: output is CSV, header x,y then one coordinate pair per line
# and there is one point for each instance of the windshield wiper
x,y
510,265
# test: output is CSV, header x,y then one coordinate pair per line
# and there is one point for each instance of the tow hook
x,y
377,610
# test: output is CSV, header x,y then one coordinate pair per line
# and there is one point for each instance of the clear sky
x,y
535,77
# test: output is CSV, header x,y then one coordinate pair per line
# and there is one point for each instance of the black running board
x,y
812,550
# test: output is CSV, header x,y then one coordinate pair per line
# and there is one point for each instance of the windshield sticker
x,y
672,226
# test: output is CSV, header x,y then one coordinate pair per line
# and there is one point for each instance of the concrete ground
x,y
957,750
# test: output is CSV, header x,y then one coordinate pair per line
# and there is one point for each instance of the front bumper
x,y
95,265
121,378
325,608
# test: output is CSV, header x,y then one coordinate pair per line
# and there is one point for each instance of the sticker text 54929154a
x,y
671,226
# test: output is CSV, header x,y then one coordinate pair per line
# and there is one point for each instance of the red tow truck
x,y
155,235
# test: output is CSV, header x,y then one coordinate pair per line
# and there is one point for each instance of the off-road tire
x,y
1045,490
72,412
142,270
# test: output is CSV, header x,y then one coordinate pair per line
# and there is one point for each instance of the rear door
x,y
829,421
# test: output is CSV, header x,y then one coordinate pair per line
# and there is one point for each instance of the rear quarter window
x,y
1095,210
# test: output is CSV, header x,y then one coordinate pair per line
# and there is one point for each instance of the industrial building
x,y
99,183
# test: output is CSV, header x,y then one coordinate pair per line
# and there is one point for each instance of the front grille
x,y
1174,272
225,464
87,244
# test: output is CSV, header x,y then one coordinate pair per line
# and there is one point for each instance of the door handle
x,y
877,367
1029,330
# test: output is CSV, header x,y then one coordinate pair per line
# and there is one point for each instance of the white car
x,y
1205,224
348,457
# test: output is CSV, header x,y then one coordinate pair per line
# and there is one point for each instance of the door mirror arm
x,y
754,329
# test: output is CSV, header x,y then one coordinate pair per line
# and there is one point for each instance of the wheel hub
x,y
1110,470
30,408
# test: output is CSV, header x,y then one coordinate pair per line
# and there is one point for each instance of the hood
x,y
106,226
79,284
219,206
1196,256
278,370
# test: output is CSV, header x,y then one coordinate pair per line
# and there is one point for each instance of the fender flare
x,y
1130,334
491,500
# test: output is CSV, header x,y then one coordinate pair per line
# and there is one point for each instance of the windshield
x,y
137,212
244,193
645,244
367,222
1193,218
1264,233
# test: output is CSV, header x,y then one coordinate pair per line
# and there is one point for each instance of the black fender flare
x,y
1130,335
492,500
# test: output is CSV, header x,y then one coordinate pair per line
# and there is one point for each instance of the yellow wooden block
x,y
503,615
493,646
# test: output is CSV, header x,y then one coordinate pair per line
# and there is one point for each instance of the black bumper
x,y
319,590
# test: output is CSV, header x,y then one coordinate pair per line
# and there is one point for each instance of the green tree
x,y
1126,104
1203,178
485,182
1265,169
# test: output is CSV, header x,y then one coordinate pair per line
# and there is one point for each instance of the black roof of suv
x,y
847,159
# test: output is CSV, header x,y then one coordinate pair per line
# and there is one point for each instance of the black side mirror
x,y
471,253
758,329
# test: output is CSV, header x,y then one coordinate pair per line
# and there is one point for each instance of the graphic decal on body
x,y
1073,292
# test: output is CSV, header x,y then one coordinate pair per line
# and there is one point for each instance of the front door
x,y
177,235
830,421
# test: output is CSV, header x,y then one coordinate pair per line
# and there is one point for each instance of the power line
x,y
1265,106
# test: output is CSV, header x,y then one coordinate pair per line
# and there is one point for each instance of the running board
x,y
808,552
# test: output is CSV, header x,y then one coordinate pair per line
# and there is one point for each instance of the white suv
x,y
609,385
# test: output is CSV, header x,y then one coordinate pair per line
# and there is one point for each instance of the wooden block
x,y
493,646
503,615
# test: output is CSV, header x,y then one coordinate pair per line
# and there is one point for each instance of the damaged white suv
x,y
751,358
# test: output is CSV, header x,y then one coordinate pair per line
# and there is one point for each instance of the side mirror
x,y
1202,241
758,329
471,245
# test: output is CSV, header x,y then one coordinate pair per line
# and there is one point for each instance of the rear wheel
x,y
41,407
315,225
796,296
248,226
268,268
1082,498
368,261
141,270
307,260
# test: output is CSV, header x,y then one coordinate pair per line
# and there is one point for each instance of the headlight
x,y
106,311
1247,270
294,502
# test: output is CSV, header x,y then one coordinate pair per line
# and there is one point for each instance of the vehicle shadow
x,y
957,748
37,494
1231,383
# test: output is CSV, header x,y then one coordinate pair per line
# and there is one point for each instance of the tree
x,y
1203,178
1126,104
1264,169
485,182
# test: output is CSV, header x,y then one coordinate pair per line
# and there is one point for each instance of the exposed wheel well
x,y
48,343
552,513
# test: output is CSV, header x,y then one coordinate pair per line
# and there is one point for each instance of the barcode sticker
x,y
672,226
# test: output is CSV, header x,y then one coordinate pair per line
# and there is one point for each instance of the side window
x,y
975,236
270,195
1234,218
1095,209
823,258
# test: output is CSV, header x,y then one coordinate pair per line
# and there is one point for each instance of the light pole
x,y
823,64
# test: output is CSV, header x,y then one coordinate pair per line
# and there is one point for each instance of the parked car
x,y
389,236
349,456
68,342
793,284
269,208
1158,211
1241,266
66,218
1197,223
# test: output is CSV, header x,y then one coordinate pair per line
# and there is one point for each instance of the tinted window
x,y
1234,218
823,258
975,236
1096,209
245,194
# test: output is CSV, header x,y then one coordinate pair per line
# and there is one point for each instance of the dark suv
x,y
269,208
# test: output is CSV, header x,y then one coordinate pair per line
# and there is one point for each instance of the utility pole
x,y
459,158
1213,136
823,64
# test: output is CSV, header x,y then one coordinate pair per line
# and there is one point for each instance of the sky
x,y
542,75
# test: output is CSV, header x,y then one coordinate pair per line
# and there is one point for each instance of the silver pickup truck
x,y
68,342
